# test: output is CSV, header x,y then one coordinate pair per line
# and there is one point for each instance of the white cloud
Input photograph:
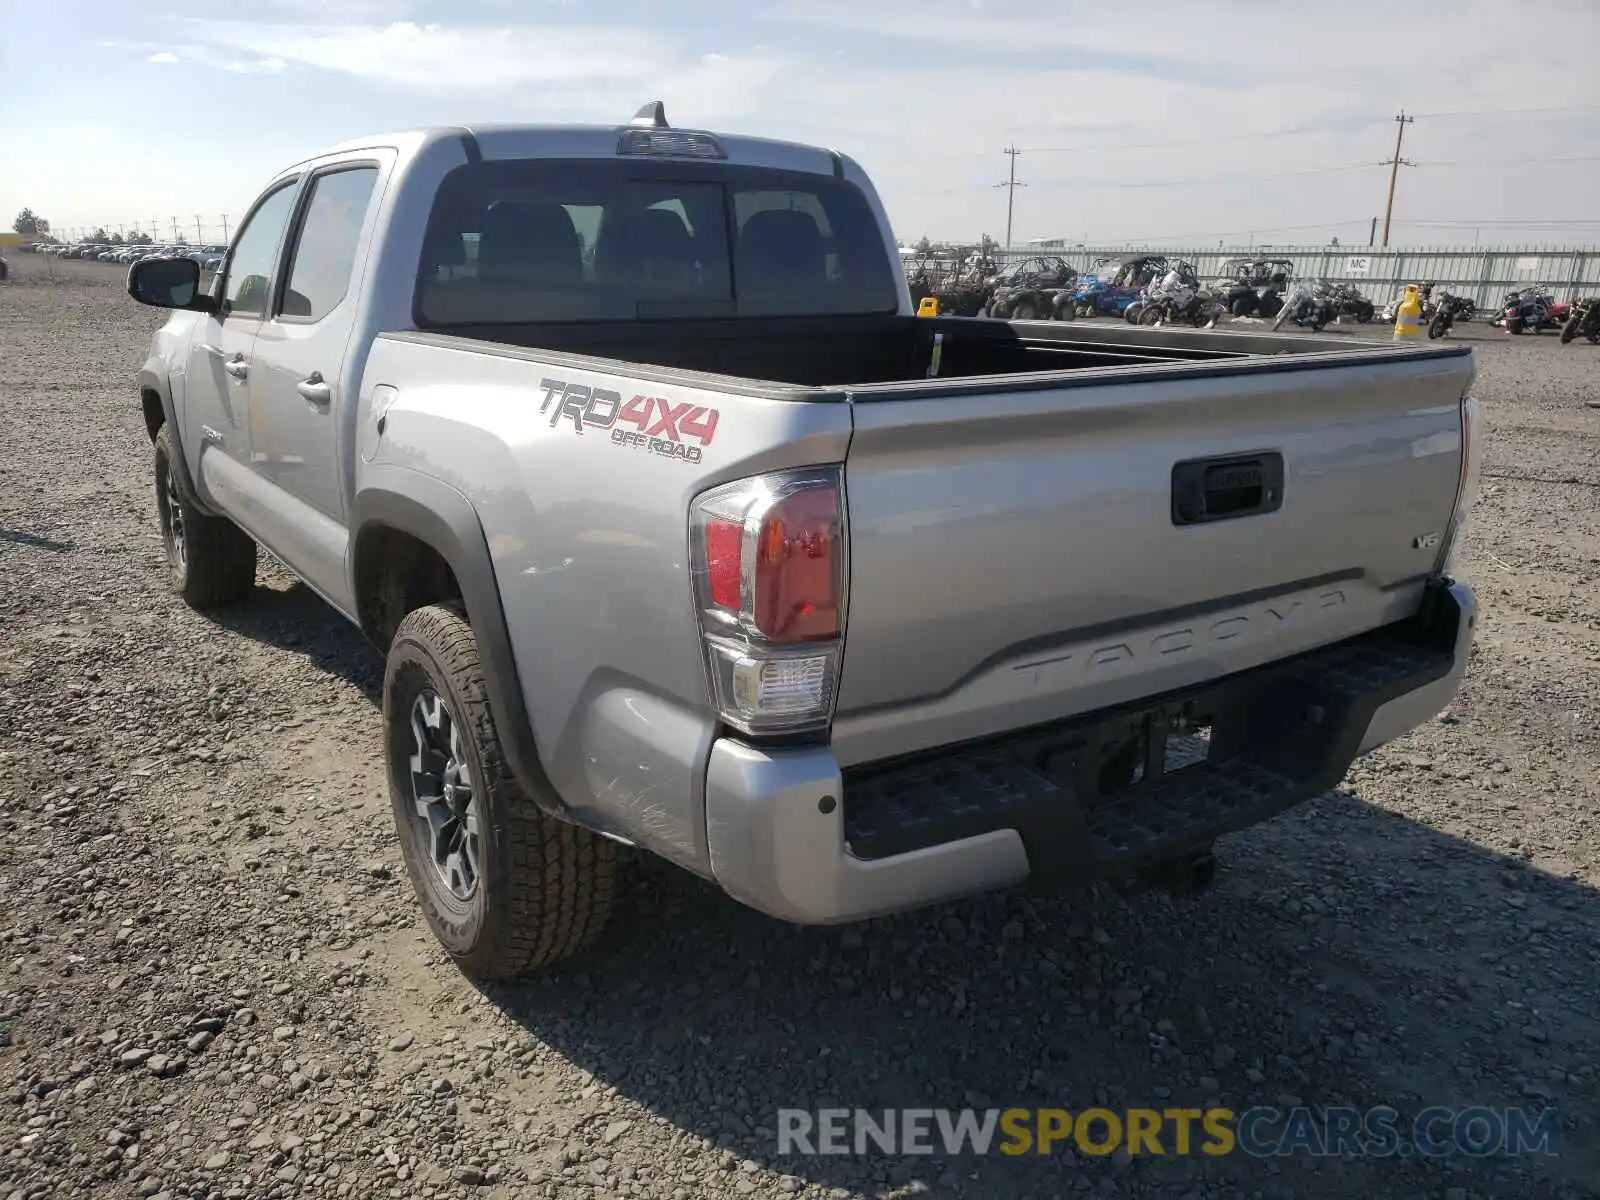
x,y
259,66
163,56
435,58
926,93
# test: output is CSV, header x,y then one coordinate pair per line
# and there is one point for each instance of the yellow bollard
x,y
929,307
1408,316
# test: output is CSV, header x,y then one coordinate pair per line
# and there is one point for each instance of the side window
x,y
325,250
244,292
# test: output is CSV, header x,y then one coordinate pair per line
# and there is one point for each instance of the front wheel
x,y
1025,310
1569,330
1439,326
505,887
1242,307
1150,315
211,562
1364,314
1513,325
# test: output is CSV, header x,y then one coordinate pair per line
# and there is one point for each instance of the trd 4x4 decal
x,y
645,422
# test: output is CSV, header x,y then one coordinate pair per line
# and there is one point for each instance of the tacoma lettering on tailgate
x,y
657,426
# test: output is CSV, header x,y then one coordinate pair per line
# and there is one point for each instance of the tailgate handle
x,y
1219,489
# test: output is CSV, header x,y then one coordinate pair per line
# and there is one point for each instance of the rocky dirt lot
x,y
214,981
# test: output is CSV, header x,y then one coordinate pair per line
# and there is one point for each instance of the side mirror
x,y
168,283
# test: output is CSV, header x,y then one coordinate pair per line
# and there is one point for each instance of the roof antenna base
x,y
651,116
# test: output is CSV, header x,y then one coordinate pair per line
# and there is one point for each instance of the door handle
x,y
237,367
315,389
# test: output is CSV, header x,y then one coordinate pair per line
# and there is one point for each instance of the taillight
x,y
1466,484
769,561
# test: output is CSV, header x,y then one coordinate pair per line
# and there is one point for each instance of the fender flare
x,y
440,517
152,380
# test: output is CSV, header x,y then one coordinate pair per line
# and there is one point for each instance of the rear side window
x,y
538,240
325,248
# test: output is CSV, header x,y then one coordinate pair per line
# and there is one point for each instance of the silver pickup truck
x,y
680,531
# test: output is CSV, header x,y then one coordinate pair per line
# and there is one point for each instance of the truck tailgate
x,y
1020,556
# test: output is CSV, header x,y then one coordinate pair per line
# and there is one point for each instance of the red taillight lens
x,y
769,558
724,548
797,568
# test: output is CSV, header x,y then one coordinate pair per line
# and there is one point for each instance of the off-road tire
x,y
210,560
1243,307
545,887
1025,310
1569,330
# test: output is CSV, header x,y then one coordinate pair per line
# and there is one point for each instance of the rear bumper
x,y
791,834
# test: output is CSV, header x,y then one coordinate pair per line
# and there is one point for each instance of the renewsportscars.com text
x,y
1259,1132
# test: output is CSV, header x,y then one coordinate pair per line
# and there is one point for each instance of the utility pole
x,y
176,232
224,228
1372,234
199,236
1394,164
1011,185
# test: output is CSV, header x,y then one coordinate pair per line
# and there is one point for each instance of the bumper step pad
x,y
1278,735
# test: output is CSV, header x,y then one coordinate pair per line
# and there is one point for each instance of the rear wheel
x,y
1513,324
1364,314
505,887
1242,307
1271,304
211,562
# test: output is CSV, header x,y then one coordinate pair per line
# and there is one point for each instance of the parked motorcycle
x,y
1348,301
1447,309
1583,321
1307,305
1178,297
1527,310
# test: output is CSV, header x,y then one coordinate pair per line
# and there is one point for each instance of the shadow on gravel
x,y
36,541
1346,955
297,620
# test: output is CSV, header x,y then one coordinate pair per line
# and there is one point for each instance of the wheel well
x,y
154,415
395,574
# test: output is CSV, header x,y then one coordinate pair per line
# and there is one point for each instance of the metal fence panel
x,y
1484,273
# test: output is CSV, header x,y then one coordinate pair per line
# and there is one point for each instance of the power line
x,y
1508,112
1190,142
1510,162
1092,185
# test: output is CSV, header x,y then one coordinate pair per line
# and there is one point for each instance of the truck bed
x,y
849,352
1017,553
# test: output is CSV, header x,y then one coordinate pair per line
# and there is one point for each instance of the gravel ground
x,y
214,981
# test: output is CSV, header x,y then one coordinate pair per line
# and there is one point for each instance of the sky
x,y
1195,121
